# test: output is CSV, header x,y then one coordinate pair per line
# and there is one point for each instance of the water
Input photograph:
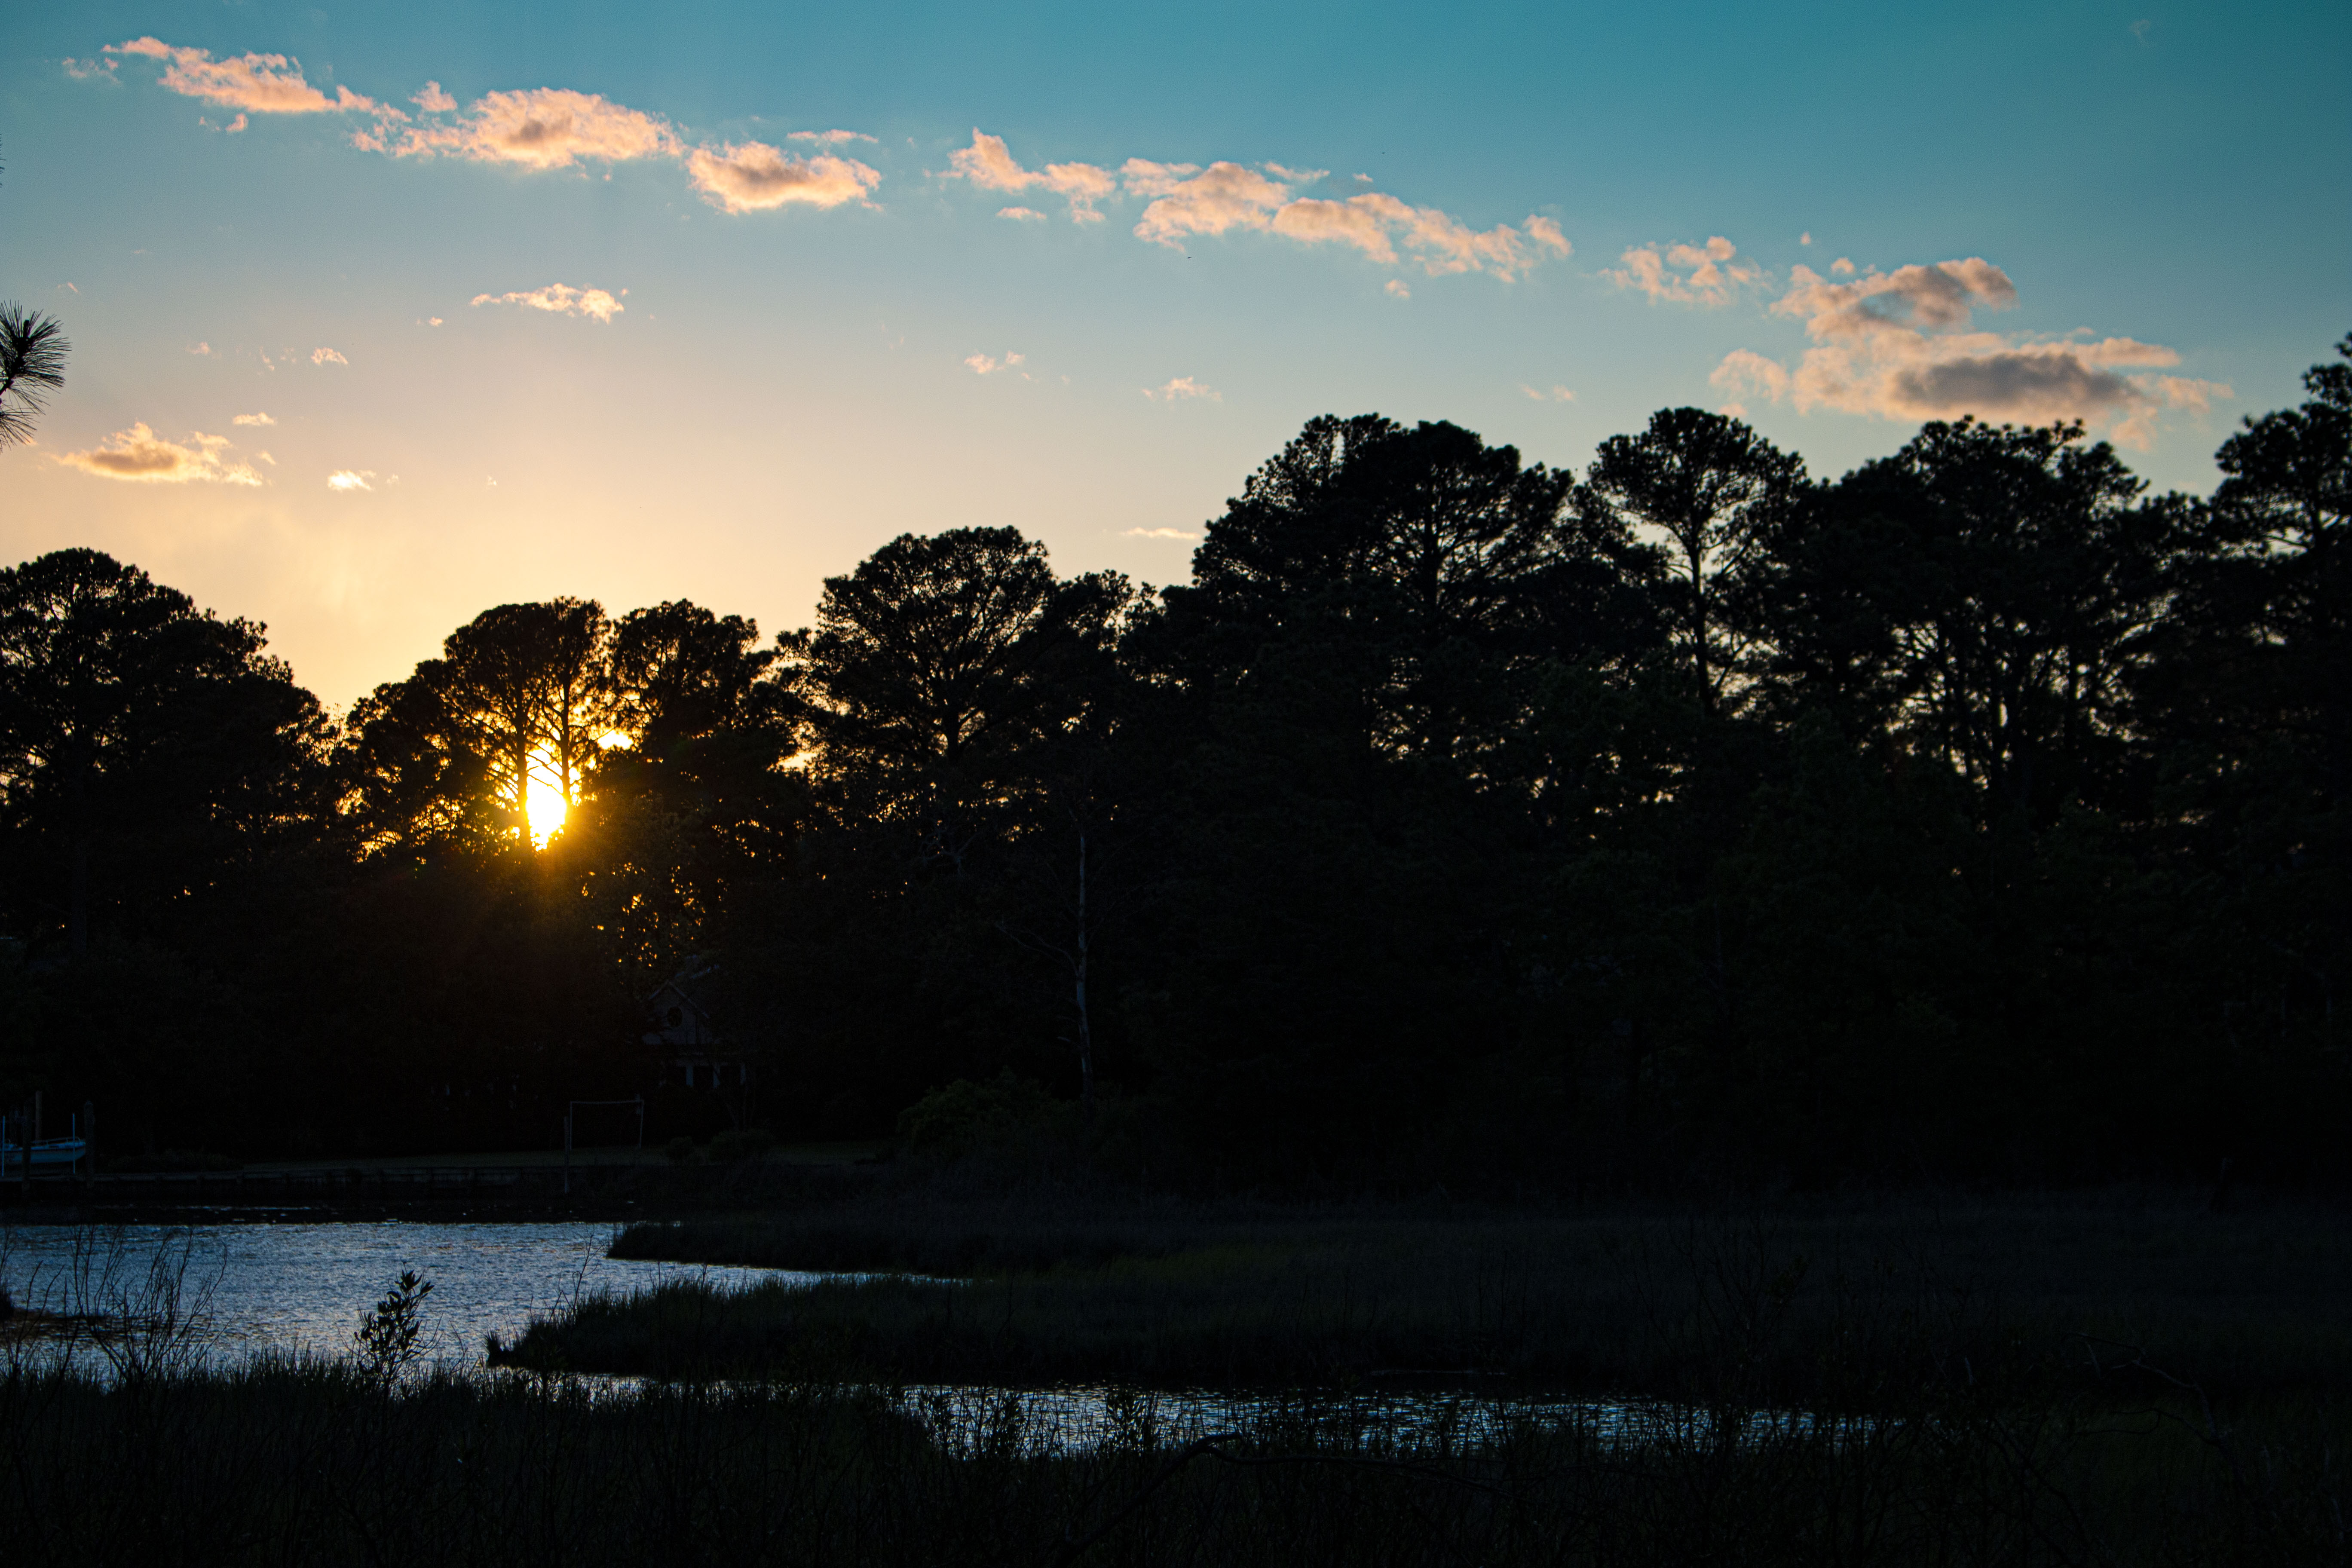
x,y
303,1286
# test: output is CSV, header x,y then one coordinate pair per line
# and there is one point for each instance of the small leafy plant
x,y
387,1340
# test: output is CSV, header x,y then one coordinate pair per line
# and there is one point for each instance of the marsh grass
x,y
1823,1305
293,1461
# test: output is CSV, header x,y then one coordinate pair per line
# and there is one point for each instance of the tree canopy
x,y
1463,819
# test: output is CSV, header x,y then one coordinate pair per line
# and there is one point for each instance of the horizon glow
x,y
381,319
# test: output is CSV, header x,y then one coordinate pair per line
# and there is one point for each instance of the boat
x,y
49,1156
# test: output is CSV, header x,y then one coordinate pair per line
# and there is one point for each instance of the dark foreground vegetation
x,y
1684,820
278,1463
1852,1307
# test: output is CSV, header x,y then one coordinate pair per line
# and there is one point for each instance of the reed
x,y
279,1461
1823,1304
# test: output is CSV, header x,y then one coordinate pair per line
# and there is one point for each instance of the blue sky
x,y
2133,213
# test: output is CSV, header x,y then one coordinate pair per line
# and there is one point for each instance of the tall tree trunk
x,y
77,865
1086,1025
77,896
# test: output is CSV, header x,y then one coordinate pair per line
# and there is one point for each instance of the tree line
x,y
1978,813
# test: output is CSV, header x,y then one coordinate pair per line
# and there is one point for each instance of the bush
x,y
733,1148
1008,1114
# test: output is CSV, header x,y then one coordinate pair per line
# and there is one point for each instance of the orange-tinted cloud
x,y
752,176
990,164
1226,197
1183,387
1706,274
260,84
561,300
142,457
542,128
1903,345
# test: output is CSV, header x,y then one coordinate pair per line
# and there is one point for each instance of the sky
x,y
384,314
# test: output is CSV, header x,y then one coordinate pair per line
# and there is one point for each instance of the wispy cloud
x,y
1163,533
540,128
327,356
1398,286
1183,387
989,364
1227,196
1707,274
830,138
990,164
1557,395
201,349
343,481
93,70
261,84
433,100
752,176
1903,345
253,419
1022,215
561,300
140,454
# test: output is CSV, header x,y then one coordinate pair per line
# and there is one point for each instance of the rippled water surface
x,y
304,1286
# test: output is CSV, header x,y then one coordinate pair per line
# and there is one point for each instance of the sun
x,y
543,806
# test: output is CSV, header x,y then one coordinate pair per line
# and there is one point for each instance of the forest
x,y
1979,815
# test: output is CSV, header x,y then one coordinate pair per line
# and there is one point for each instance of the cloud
x,y
1210,200
1181,387
1843,267
985,365
201,349
432,321
830,138
1022,215
433,100
1806,237
343,481
1226,197
542,128
239,123
562,299
1396,286
140,454
990,164
1163,533
263,84
327,356
1688,274
752,176
1557,395
93,70
264,458
253,419
1903,345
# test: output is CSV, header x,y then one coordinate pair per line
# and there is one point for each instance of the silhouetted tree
x,y
1716,489
146,747
33,349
